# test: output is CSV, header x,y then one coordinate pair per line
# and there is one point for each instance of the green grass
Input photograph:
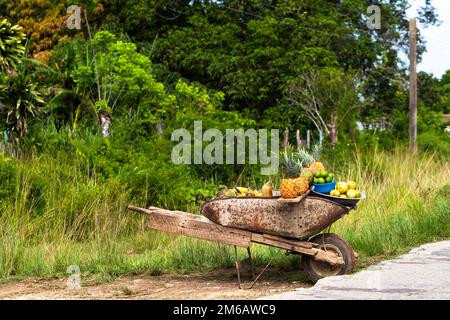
x,y
58,215
407,204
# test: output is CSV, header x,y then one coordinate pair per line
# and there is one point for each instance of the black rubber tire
x,y
312,268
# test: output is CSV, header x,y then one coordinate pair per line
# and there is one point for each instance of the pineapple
x,y
308,175
307,160
316,165
288,189
302,184
293,184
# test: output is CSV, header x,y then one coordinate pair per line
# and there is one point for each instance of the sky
x,y
437,58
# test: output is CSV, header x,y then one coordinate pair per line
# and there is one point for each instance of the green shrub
x,y
7,178
431,141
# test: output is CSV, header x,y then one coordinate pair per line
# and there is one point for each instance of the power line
x,y
440,54
438,40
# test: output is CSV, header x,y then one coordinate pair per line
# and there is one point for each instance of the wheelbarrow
x,y
290,224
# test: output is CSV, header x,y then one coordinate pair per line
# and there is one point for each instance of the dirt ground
x,y
220,284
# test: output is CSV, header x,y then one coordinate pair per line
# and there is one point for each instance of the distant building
x,y
447,121
380,124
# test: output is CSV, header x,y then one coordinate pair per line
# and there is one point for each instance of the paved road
x,y
423,273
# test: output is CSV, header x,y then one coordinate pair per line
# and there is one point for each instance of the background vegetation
x,y
87,116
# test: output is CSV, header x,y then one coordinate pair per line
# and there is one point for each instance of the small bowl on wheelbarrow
x,y
349,202
324,187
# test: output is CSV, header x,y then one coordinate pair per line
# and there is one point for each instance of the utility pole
x,y
412,85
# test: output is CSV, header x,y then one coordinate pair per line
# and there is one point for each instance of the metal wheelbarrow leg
x,y
255,279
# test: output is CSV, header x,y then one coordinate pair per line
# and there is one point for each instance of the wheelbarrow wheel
x,y
316,270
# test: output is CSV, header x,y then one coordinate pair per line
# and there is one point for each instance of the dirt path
x,y
221,284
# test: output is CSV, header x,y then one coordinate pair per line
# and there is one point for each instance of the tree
x,y
21,99
70,102
444,92
251,49
428,89
120,80
434,93
143,20
11,45
44,21
328,97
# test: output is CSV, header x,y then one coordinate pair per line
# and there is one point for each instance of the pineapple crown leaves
x,y
305,157
316,151
291,165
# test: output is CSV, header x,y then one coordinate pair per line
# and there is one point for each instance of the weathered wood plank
x,y
260,238
297,246
187,224
300,243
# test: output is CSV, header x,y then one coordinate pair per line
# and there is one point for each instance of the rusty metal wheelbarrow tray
x,y
299,220
191,225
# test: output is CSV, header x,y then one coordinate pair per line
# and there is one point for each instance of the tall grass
x,y
61,215
407,204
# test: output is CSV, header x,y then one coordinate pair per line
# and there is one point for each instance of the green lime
x,y
321,180
328,179
324,174
317,174
331,175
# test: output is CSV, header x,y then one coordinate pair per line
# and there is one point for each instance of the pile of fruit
x,y
321,177
300,170
266,191
295,182
347,189
239,192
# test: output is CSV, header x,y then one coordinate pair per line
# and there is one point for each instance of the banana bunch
x,y
239,192
247,192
